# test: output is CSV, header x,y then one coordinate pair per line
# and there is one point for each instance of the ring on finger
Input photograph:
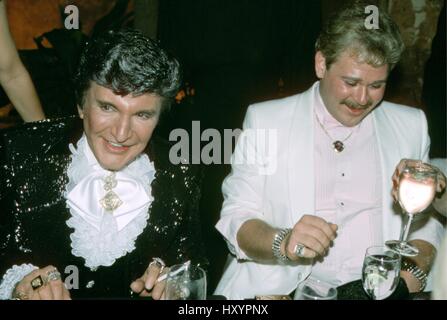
x,y
19,295
37,282
299,250
159,263
53,275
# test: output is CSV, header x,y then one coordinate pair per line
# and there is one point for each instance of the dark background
x,y
234,53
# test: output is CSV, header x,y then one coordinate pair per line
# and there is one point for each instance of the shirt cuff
x,y
229,226
12,277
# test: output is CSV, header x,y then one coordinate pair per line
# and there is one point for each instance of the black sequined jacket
x,y
34,159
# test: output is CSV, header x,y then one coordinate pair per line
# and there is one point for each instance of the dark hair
x,y
127,62
346,31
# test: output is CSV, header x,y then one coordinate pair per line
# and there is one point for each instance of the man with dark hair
x,y
313,206
112,209
127,62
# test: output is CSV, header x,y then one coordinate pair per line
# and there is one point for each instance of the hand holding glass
x,y
416,191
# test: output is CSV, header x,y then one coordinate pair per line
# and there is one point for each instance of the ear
x,y
320,64
80,112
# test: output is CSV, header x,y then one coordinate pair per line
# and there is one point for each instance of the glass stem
x,y
406,230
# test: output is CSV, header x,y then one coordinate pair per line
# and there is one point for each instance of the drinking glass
x,y
186,282
417,188
380,272
314,289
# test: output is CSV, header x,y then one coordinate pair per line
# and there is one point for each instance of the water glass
x,y
314,289
186,282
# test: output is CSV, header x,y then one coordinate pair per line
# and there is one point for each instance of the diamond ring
x,y
159,263
299,250
53,275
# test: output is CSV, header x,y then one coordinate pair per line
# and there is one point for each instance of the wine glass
x,y
186,282
417,188
314,289
380,272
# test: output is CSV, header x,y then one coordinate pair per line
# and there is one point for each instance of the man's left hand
x,y
441,179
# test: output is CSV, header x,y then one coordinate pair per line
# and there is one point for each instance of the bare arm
x,y
14,78
255,238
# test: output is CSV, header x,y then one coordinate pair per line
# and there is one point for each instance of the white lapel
x,y
301,157
390,155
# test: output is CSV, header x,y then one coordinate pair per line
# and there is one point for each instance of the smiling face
x,y
350,89
118,128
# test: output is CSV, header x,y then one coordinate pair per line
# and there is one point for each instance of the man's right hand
x,y
315,233
52,287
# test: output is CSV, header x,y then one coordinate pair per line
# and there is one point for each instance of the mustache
x,y
354,105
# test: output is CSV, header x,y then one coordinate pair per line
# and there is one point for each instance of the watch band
x,y
276,245
417,272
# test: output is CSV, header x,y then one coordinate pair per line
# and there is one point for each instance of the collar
x,y
101,234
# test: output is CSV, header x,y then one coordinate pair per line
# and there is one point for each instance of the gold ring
x,y
37,282
19,295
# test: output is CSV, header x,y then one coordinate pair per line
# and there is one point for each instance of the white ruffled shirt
x,y
101,236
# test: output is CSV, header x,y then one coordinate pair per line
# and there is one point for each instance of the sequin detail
x,y
33,163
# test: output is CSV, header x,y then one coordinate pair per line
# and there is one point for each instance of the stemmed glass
x,y
313,289
380,272
417,188
186,282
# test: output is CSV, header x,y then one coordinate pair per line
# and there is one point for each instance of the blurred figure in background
x,y
433,96
440,267
14,78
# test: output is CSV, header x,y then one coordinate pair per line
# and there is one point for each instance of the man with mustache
x,y
329,197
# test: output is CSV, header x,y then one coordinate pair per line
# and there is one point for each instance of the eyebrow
x,y
105,103
150,112
360,80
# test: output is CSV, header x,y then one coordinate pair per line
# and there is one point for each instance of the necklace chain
x,y
337,144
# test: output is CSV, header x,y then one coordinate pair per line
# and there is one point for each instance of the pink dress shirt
x,y
348,193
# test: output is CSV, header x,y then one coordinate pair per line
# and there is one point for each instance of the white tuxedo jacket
x,y
279,188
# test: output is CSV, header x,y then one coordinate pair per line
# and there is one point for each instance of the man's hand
x,y
41,284
314,233
441,179
148,285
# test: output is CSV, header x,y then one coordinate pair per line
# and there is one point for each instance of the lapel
x,y
300,163
390,155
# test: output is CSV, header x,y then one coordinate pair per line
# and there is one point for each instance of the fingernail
x,y
148,286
